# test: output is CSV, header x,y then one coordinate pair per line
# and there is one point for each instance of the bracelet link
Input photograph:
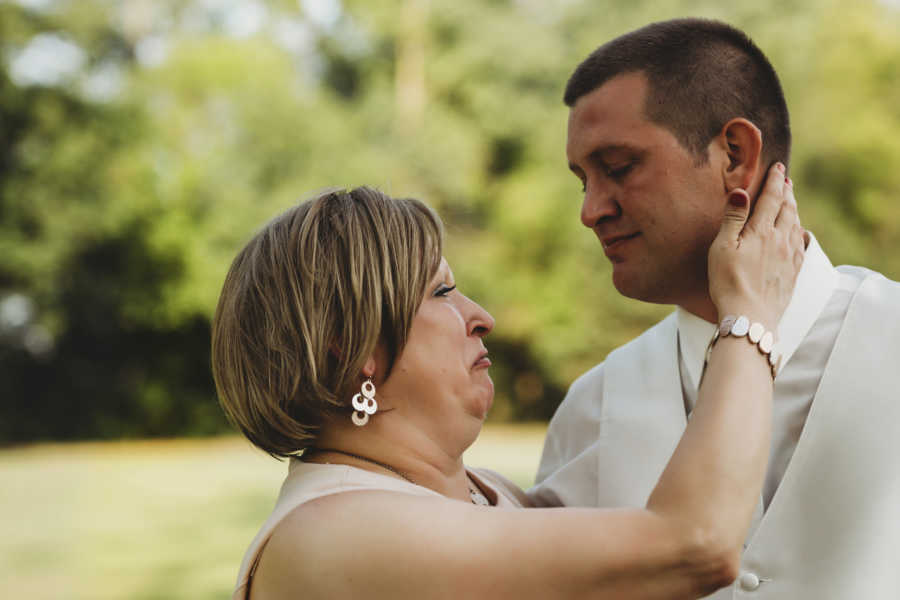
x,y
740,326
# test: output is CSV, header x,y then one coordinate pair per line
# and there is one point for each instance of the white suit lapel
x,y
850,431
642,417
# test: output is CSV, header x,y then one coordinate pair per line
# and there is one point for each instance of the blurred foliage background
x,y
143,141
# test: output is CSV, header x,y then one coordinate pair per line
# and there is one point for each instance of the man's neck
x,y
701,306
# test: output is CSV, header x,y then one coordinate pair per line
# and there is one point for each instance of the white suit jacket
x,y
832,530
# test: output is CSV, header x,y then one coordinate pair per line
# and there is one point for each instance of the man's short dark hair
x,y
701,74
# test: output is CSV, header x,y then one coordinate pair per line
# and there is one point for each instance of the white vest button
x,y
749,581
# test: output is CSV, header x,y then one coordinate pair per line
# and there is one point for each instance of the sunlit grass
x,y
161,519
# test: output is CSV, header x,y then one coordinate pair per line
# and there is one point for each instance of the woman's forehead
x,y
443,269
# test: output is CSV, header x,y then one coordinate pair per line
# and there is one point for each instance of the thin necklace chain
x,y
364,459
474,494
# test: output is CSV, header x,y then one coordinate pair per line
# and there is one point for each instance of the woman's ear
x,y
369,367
742,141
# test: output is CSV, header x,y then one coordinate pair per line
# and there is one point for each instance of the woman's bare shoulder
x,y
322,544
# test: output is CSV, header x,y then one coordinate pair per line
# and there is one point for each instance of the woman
x,y
340,338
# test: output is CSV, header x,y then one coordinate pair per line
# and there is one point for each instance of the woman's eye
x,y
444,290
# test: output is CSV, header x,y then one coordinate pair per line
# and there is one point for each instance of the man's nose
x,y
599,204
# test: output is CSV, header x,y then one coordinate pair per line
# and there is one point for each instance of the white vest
x,y
832,530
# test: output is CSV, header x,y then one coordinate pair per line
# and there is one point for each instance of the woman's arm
x,y
684,544
714,476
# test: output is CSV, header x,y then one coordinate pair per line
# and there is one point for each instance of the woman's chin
x,y
488,401
479,405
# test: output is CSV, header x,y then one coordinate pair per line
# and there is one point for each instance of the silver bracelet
x,y
740,326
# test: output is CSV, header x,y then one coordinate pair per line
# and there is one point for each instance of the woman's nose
x,y
480,321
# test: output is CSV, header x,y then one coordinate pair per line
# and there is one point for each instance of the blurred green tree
x,y
159,135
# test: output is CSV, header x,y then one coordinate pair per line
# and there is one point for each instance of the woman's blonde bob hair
x,y
306,302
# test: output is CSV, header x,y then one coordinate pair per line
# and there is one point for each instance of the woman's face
x,y
442,374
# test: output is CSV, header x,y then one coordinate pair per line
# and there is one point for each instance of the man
x,y
664,122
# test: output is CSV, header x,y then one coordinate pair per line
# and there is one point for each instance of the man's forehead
x,y
610,117
606,138
627,90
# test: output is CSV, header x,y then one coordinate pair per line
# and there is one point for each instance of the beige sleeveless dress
x,y
307,481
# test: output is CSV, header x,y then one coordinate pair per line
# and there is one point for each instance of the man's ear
x,y
742,141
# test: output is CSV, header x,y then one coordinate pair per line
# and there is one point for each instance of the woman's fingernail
x,y
788,181
779,166
738,198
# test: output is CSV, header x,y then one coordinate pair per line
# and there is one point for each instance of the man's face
x,y
654,210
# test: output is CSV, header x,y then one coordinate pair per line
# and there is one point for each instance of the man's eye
x,y
618,172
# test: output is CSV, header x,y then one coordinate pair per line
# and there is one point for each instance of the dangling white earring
x,y
364,403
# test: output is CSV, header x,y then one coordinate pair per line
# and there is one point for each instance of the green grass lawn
x,y
159,519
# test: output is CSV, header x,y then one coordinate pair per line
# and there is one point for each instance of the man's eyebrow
x,y
598,153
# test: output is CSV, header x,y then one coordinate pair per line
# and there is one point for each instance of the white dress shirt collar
x,y
815,284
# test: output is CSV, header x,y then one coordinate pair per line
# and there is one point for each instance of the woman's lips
x,y
482,361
